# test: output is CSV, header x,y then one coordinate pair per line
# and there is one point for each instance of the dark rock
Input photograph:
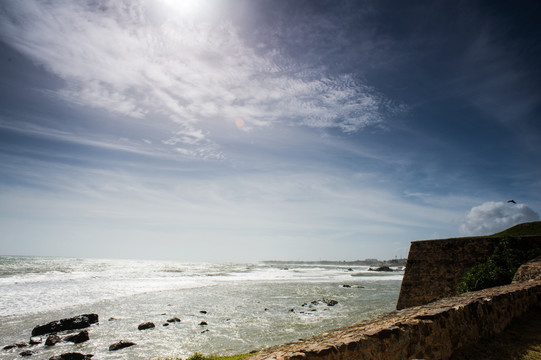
x,y
52,340
204,331
346,286
203,323
78,338
350,269
74,323
16,345
72,356
324,301
147,325
121,345
330,302
35,340
165,324
203,311
173,320
26,353
381,268
112,318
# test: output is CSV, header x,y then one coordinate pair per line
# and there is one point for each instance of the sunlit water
x,y
248,306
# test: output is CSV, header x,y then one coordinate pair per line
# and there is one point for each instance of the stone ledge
x,y
431,331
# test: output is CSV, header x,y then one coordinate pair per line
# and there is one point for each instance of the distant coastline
x,y
365,262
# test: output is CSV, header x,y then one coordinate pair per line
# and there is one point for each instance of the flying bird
x,y
511,201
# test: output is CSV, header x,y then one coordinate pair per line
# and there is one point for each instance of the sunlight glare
x,y
186,8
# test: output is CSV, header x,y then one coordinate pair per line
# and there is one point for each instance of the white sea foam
x,y
249,305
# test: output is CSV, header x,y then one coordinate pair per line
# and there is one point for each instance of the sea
x,y
224,308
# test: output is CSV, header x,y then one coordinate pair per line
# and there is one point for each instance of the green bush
x,y
197,356
499,268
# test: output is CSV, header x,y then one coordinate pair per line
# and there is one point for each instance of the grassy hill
x,y
531,228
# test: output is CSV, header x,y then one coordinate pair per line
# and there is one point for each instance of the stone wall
x,y
435,267
435,330
432,331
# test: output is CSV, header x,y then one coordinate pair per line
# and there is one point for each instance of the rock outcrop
x,y
72,356
146,325
16,345
78,338
74,323
52,340
121,345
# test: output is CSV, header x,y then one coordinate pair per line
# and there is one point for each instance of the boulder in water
x,y
121,345
26,353
78,338
147,325
35,340
74,323
72,356
52,340
16,345
381,268
330,302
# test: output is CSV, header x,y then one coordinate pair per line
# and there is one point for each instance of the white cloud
x,y
492,217
137,58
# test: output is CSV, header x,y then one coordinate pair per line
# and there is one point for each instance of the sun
x,y
186,8
239,122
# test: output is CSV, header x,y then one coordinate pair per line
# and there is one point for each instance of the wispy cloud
x,y
145,59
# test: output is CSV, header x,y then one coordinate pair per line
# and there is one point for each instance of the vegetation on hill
x,y
502,265
525,229
500,268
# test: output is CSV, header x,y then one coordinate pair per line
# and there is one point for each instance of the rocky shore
x,y
79,329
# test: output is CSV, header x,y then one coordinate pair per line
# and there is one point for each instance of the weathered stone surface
x,y
78,338
529,271
146,325
435,267
121,345
431,331
72,356
74,323
52,340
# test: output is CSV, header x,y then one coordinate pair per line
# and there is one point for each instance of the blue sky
x,y
236,130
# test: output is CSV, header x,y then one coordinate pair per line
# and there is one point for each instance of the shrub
x,y
499,268
197,356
